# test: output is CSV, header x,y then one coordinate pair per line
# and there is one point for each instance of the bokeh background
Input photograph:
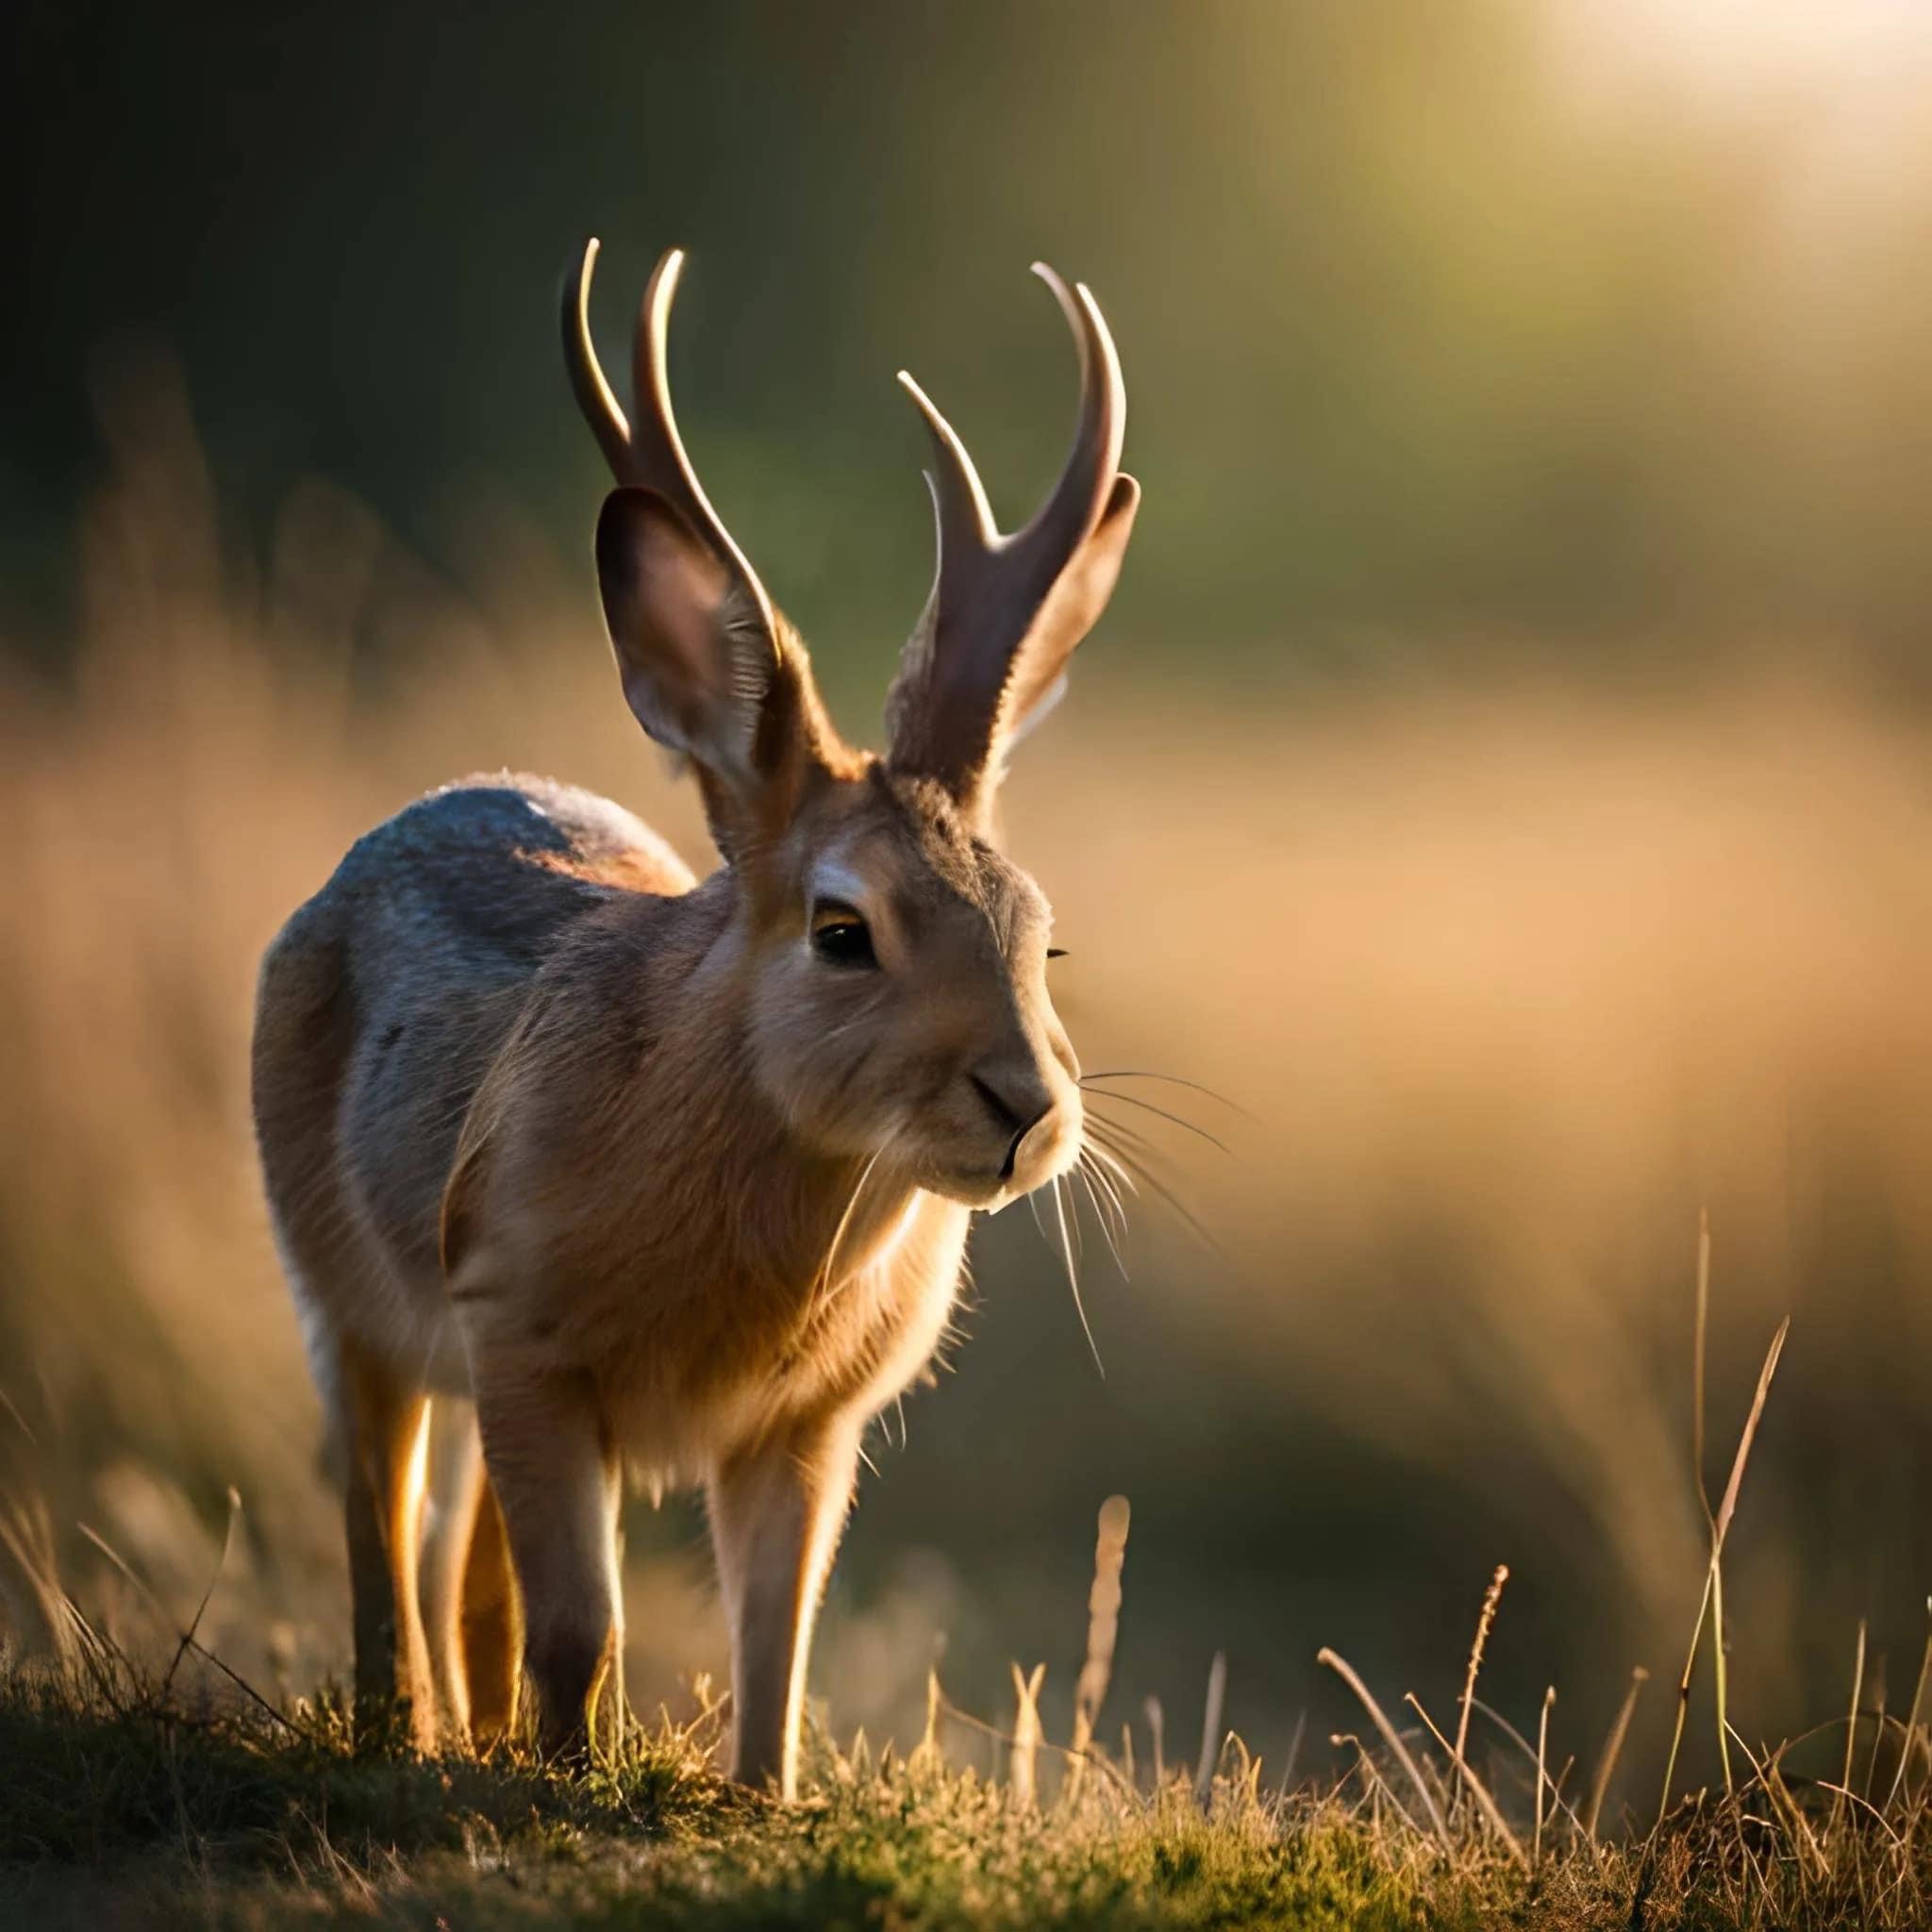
x,y
1505,774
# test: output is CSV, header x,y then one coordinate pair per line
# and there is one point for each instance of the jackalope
x,y
669,1175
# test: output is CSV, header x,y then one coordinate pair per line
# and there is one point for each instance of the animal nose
x,y
1019,1105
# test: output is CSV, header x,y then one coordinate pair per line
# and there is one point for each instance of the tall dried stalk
x,y
1210,1727
1484,1623
1021,1772
1392,1738
1103,1630
1851,1734
1720,1528
1613,1749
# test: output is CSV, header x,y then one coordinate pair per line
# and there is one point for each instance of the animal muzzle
x,y
1019,1106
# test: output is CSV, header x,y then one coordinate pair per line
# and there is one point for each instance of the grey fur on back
x,y
397,984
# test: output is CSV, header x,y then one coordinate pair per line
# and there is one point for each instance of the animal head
x,y
895,960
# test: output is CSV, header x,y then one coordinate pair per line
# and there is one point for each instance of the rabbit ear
x,y
707,669
696,658
1006,612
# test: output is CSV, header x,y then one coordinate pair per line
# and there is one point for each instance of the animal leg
x,y
489,1624
387,1441
776,1513
455,1481
554,1471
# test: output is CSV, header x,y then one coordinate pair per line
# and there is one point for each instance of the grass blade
x,y
1390,1737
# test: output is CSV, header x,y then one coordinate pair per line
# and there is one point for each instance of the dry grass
x,y
190,1798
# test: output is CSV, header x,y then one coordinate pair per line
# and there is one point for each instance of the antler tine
x,y
593,394
1071,512
648,452
969,538
1006,612
965,517
663,451
666,467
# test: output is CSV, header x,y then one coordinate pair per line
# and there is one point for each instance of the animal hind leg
x,y
387,1441
489,1624
455,1481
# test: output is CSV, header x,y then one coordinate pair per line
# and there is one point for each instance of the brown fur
x,y
639,1165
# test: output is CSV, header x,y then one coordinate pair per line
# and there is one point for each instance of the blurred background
x,y
1505,776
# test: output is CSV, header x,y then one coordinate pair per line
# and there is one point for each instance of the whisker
x,y
1106,1202
1073,1277
1113,1247
1172,1081
1123,1134
1107,1156
1179,1120
1168,1195
1098,1177
1033,1204
824,1279
1131,1170
1144,1154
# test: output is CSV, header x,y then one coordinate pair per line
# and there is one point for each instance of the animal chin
x,y
1040,1166
988,1193
984,1191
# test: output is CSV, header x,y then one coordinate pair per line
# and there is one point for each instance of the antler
x,y
648,453
970,674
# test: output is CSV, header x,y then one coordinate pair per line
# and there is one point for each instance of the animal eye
x,y
839,936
